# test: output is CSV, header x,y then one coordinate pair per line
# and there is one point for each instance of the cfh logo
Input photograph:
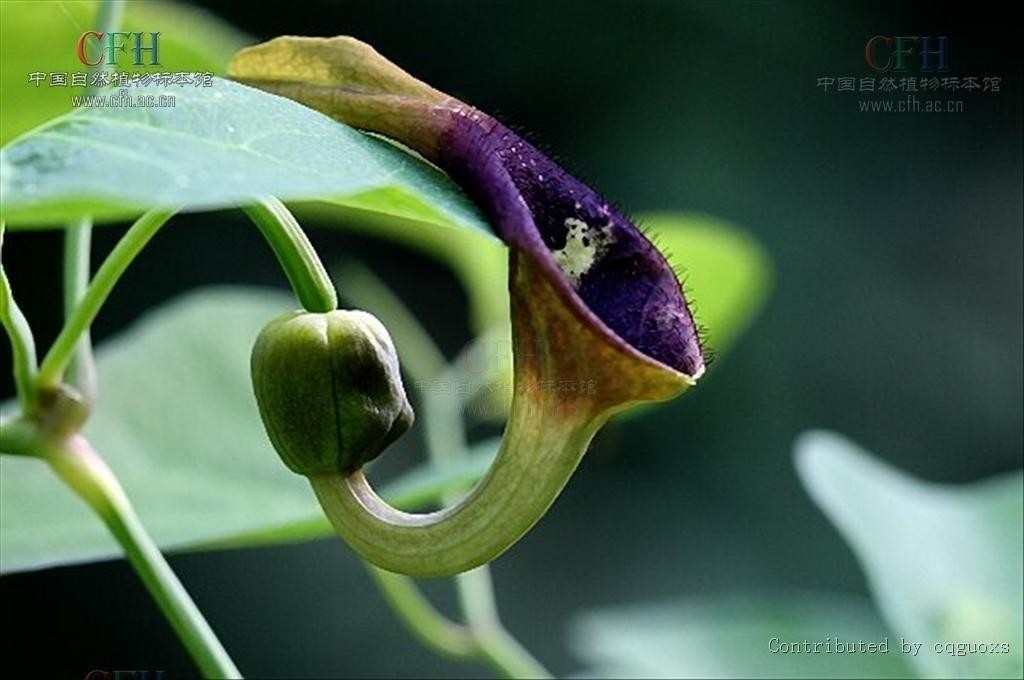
x,y
112,45
885,54
125,675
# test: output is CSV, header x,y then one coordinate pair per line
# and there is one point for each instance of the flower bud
x,y
329,390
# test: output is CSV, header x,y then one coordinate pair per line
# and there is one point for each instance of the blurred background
x,y
895,318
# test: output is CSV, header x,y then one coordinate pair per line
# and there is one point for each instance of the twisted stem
x,y
536,460
429,626
446,444
23,346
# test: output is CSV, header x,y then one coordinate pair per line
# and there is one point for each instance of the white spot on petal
x,y
584,245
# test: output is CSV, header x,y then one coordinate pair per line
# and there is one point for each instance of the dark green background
x,y
895,319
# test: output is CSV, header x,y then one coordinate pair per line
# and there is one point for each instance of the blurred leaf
x,y
729,637
218,146
178,424
42,37
726,273
944,562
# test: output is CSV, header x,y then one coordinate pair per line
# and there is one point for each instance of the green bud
x,y
329,390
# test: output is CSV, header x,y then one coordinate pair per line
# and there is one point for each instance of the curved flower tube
x,y
599,321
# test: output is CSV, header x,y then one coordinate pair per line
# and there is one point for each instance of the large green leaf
x,y
217,146
944,562
40,36
734,637
178,424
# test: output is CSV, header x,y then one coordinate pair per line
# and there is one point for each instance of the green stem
x,y
87,475
507,656
443,417
108,18
295,253
84,313
475,587
476,597
81,373
495,645
446,444
425,622
23,346
18,436
298,259
77,250
539,452
446,437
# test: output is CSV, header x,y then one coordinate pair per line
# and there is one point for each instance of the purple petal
x,y
596,253
601,265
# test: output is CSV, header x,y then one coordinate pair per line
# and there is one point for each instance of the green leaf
x,y
178,424
729,637
216,147
41,37
726,273
944,562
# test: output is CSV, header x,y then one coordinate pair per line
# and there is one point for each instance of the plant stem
x,y
78,322
507,656
295,253
425,622
81,373
78,247
495,644
18,437
108,18
476,597
78,466
23,346
73,459
306,274
446,444
446,436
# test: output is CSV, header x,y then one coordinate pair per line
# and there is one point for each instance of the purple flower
x,y
599,321
602,265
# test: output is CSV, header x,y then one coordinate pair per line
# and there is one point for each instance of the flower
x,y
602,266
599,320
